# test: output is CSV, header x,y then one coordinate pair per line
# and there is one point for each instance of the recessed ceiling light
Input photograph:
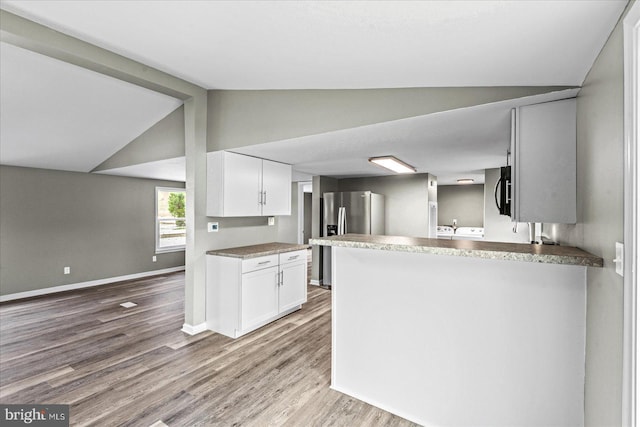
x,y
393,164
465,181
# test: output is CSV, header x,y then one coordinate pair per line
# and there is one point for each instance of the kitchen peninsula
x,y
446,332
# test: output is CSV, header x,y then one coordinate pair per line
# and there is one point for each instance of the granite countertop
x,y
253,251
549,254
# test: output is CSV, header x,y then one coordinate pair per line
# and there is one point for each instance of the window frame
x,y
165,249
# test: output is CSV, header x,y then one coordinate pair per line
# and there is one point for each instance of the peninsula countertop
x,y
253,251
549,254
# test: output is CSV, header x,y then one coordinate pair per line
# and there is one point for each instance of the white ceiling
x,y
169,169
344,44
59,116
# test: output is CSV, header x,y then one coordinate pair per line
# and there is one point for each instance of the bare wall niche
x,y
465,203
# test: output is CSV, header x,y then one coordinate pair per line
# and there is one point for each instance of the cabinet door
x,y
276,185
293,288
242,185
259,297
544,171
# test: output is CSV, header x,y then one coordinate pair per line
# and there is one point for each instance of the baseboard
x,y
315,282
193,330
91,283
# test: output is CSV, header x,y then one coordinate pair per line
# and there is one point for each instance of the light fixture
x,y
465,181
393,164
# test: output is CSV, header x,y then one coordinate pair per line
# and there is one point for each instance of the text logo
x,y
34,415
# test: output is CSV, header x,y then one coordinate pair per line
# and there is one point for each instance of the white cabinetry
x,y
259,293
239,185
244,294
276,188
544,163
293,271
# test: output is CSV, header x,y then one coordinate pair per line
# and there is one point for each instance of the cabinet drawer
x,y
259,263
295,256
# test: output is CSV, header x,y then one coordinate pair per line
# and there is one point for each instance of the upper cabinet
x,y
239,185
543,150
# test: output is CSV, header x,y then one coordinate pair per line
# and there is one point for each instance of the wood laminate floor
x,y
134,367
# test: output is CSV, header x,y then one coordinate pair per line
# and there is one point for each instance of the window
x,y
171,230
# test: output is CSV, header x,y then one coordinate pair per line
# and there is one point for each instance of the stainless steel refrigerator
x,y
360,212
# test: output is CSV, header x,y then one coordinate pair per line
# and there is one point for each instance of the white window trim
x,y
631,29
159,250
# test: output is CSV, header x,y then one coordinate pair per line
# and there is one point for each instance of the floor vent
x,y
128,304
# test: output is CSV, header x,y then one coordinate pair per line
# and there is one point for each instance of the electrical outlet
x,y
619,261
154,258
67,270
272,220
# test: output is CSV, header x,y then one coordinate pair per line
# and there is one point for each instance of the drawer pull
x,y
264,262
294,257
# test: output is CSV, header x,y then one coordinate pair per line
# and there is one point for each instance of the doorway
x,y
304,212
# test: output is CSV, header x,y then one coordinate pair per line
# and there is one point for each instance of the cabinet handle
x,y
264,262
264,197
259,197
294,257
282,278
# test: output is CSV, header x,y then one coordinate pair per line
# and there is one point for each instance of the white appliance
x,y
445,232
468,233
460,233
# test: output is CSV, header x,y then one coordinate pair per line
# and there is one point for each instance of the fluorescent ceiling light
x,y
393,164
465,181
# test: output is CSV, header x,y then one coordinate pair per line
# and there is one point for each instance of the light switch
x,y
619,261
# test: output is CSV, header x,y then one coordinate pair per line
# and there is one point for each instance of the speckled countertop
x,y
468,248
254,251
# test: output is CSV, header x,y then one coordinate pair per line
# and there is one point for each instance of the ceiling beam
x,y
35,37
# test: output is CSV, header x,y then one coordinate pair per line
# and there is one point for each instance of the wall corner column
x,y
195,117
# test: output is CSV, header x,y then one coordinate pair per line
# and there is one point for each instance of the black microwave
x,y
502,192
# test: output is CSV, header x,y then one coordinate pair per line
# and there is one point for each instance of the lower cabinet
x,y
259,297
292,273
243,295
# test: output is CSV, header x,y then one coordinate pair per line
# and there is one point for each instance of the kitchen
x,y
244,124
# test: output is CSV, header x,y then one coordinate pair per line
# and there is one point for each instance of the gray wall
x,y
288,225
499,228
100,226
164,140
239,118
406,201
462,202
600,224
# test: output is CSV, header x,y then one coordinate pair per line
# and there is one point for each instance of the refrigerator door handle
x,y
344,221
341,220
